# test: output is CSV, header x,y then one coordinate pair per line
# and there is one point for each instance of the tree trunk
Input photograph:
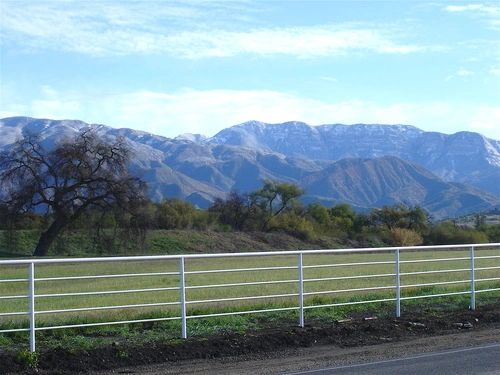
x,y
47,238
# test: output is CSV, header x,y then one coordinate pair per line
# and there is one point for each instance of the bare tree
x,y
76,175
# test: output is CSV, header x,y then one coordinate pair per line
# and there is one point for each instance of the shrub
x,y
492,231
448,233
175,214
292,224
28,359
405,237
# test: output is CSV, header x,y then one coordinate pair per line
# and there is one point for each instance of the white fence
x,y
466,257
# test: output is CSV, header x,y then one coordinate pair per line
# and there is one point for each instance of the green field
x,y
217,278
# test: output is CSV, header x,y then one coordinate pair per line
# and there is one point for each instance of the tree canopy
x,y
77,174
274,197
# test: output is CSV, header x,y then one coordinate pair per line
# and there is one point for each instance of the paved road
x,y
477,360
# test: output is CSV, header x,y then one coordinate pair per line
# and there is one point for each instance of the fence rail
x,y
298,297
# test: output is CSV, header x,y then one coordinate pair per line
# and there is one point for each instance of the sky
x,y
172,67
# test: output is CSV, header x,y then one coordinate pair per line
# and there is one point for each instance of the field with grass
x,y
209,292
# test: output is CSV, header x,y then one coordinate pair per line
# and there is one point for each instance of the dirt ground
x,y
278,349
323,356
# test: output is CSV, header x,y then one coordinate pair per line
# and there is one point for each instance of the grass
x,y
82,243
108,284
128,337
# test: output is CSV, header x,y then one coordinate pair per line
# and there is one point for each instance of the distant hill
x,y
199,170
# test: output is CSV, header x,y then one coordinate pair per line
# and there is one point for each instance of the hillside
x,y
367,183
79,243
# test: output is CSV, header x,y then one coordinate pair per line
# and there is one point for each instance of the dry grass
x,y
143,282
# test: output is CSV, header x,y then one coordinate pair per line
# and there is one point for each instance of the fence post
x,y
472,280
31,305
398,285
300,269
182,291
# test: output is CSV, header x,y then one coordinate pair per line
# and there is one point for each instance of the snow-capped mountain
x,y
464,157
363,165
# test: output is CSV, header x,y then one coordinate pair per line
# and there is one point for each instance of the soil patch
x,y
359,330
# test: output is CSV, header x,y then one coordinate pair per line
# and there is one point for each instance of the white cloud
x,y
187,30
495,71
209,111
486,119
328,79
303,42
489,11
462,72
463,8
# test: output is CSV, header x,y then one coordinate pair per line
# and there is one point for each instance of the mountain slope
x,y
201,171
462,157
366,183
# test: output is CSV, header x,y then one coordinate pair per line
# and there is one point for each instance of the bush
x,y
234,211
292,224
175,214
202,220
405,237
320,214
448,233
492,231
28,359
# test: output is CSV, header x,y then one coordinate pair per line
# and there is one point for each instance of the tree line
x,y
84,184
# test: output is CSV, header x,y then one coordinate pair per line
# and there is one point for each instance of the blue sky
x,y
200,66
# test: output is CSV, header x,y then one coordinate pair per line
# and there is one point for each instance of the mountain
x,y
366,183
148,161
465,157
200,170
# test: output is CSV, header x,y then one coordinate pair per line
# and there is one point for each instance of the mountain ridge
x,y
200,169
465,157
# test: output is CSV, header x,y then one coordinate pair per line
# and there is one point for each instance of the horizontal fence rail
x,y
303,281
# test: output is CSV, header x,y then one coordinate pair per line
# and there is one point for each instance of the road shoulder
x,y
326,356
